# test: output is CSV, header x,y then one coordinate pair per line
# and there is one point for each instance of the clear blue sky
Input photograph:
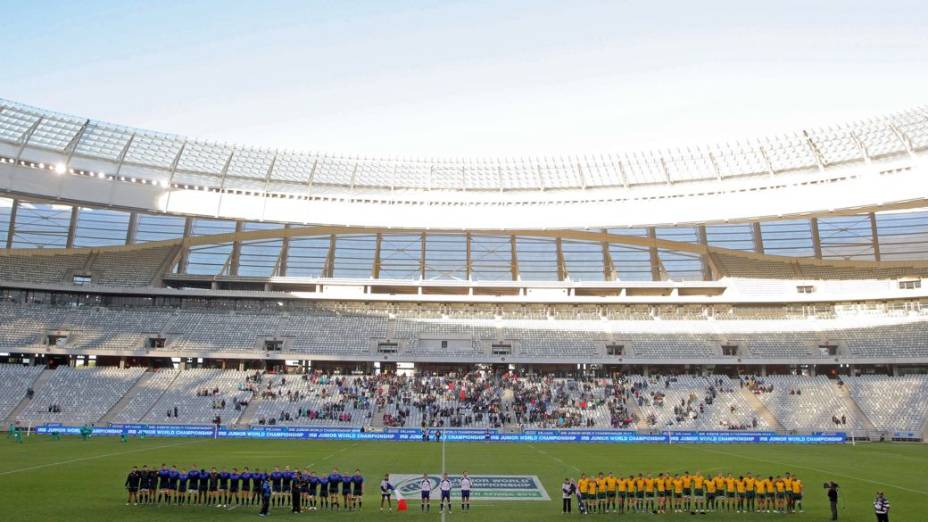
x,y
472,78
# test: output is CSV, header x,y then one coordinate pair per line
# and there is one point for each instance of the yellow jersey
x,y
710,486
797,486
730,483
749,483
788,481
582,485
739,486
623,485
687,481
780,485
649,485
761,487
639,484
677,485
719,482
659,483
610,484
697,481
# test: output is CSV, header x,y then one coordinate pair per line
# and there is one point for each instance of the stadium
x,y
727,309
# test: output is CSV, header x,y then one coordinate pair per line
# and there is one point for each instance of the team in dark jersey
x,y
294,489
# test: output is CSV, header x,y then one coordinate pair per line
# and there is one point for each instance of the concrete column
x,y
816,238
758,237
72,227
11,231
874,234
133,228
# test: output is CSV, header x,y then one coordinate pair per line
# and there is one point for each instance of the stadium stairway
x,y
642,421
761,410
37,384
249,415
124,401
844,394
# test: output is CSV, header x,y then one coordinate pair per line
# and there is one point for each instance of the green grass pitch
x,y
76,480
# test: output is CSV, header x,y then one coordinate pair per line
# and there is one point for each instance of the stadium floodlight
x,y
60,168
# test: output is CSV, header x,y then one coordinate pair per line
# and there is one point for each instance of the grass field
x,y
79,480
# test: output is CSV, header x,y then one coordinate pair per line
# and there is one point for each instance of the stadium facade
x,y
800,253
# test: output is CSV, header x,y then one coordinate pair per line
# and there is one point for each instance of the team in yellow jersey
x,y
694,493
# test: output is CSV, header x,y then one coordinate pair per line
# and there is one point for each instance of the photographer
x,y
832,498
881,507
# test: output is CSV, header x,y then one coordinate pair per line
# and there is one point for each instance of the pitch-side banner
x,y
413,435
483,487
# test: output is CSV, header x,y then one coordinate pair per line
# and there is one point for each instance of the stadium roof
x,y
874,164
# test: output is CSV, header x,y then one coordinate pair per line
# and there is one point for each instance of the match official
x,y
881,507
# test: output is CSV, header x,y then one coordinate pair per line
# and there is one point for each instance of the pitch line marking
x,y
827,472
94,457
555,458
327,457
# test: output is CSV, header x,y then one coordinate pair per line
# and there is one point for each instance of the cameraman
x,y
833,498
881,507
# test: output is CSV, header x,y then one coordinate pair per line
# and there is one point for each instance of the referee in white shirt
x,y
445,487
465,492
425,490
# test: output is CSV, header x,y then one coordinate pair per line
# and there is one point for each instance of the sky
x,y
467,79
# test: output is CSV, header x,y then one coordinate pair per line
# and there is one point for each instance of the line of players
x,y
221,488
689,493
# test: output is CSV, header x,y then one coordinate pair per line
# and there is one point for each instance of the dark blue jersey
x,y
234,481
246,480
358,482
346,484
163,476
182,481
276,478
193,477
172,478
223,480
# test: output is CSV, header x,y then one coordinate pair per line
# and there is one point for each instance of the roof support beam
x,y
72,227
24,139
236,255
514,259
561,263
819,158
133,228
816,238
874,234
378,246
122,154
11,231
72,145
758,237
656,268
